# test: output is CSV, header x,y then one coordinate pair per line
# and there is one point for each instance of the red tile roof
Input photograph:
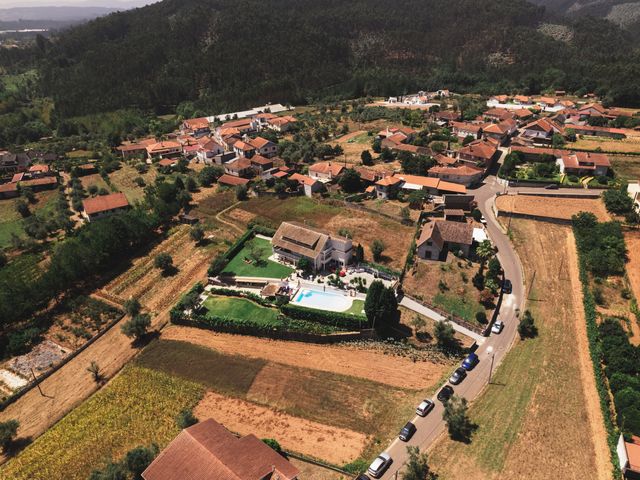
x,y
462,170
39,181
260,142
585,160
231,180
303,179
334,169
8,187
479,149
208,451
39,168
104,203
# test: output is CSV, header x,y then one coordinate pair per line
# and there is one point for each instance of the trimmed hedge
x,y
251,326
228,292
595,350
220,262
335,319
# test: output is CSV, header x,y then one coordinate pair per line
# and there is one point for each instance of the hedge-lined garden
x,y
248,313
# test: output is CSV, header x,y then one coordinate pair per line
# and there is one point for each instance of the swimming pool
x,y
322,300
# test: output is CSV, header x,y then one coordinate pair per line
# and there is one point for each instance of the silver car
x,y
497,327
379,465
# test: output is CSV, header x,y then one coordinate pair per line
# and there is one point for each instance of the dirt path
x,y
371,365
632,239
229,224
336,445
594,412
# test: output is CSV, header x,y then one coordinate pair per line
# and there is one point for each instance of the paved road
x,y
432,426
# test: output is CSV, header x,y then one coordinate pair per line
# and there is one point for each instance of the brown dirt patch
x,y
632,239
335,445
551,207
309,471
345,360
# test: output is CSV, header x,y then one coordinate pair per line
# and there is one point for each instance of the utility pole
x,y
490,351
37,383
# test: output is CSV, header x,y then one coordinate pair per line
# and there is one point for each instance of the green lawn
x,y
241,266
241,308
357,308
11,221
458,306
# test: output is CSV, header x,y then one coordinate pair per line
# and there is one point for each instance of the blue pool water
x,y
334,302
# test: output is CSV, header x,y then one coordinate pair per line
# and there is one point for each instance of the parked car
x,y
507,287
457,376
483,220
445,394
407,432
552,186
424,408
362,476
497,327
470,362
379,465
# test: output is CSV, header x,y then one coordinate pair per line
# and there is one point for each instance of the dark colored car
x,y
553,186
470,362
507,287
407,432
457,376
362,476
445,394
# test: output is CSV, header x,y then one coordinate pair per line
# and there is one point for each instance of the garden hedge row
x,y
335,319
252,326
595,350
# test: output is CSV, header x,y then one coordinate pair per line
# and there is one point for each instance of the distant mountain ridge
x,y
622,12
225,54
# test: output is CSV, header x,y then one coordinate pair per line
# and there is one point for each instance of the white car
x,y
497,327
379,465
483,220
424,408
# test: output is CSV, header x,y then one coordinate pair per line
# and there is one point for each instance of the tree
x,y
417,466
481,317
196,233
94,370
485,250
164,261
377,247
27,193
467,140
358,253
366,157
137,327
458,423
137,460
376,146
132,307
8,432
445,335
22,207
350,181
191,184
305,265
418,323
242,192
557,141
526,327
209,174
3,259
381,303
186,418
617,201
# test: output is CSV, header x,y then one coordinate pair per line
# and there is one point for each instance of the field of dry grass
x,y
363,227
626,167
631,144
456,294
551,207
542,402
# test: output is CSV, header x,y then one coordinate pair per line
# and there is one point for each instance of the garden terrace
x,y
253,261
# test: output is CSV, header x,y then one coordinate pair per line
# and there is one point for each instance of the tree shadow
x,y
465,434
170,271
146,339
17,445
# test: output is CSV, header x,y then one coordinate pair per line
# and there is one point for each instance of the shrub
x,y
137,327
163,261
185,419
8,432
458,423
336,319
274,445
481,317
377,247
526,327
137,460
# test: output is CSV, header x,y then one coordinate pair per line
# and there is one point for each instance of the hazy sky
x,y
85,3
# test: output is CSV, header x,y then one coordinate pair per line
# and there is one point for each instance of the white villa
x,y
293,241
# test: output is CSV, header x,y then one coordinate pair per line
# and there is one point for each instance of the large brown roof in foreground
x,y
208,451
104,203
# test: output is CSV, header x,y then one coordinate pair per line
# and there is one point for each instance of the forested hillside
x,y
227,53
